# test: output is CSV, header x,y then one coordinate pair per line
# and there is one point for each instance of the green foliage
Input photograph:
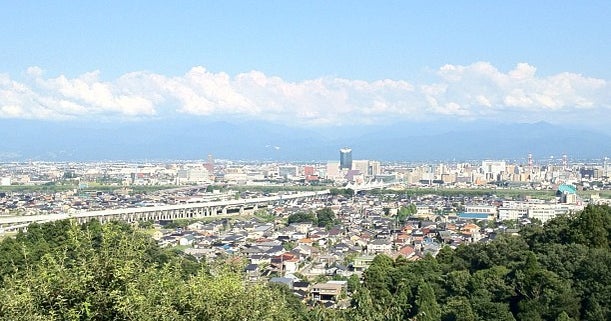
x,y
564,317
426,303
405,212
354,283
179,223
458,309
264,216
302,217
146,224
112,272
289,245
349,257
275,188
559,271
325,217
62,271
346,192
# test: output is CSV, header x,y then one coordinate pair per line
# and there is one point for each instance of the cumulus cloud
x,y
473,91
481,89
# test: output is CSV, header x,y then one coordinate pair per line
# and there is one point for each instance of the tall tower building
x,y
345,158
209,165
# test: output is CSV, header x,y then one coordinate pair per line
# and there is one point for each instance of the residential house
x,y
361,263
379,246
326,292
252,272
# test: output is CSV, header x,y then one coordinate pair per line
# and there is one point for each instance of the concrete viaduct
x,y
164,212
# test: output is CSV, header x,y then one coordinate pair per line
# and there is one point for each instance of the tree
x,y
354,283
405,212
458,309
457,283
593,227
563,317
346,192
593,311
592,279
426,304
363,306
302,217
325,217
112,272
289,245
542,294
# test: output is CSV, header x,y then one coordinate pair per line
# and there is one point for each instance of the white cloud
x,y
481,88
473,91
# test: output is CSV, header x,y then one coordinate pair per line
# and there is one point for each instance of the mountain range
x,y
174,139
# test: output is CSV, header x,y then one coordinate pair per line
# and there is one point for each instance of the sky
x,y
307,63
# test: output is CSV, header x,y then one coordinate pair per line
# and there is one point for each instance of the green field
x,y
45,188
469,192
54,188
276,189
475,192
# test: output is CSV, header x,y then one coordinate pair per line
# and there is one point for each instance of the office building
x,y
345,158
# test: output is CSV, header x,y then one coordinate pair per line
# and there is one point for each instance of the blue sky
x,y
308,62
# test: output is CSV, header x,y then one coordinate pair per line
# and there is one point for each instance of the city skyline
x,y
313,65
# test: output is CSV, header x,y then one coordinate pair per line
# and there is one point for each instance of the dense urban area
x,y
348,239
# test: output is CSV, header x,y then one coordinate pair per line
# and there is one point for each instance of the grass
x,y
275,189
91,186
506,193
47,188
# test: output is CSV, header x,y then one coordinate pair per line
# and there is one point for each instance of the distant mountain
x,y
256,140
496,141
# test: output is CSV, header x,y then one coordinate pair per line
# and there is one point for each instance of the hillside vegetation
x,y
64,271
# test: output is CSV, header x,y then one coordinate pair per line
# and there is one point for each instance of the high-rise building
x,y
493,169
362,166
287,171
345,158
374,167
209,165
308,170
332,170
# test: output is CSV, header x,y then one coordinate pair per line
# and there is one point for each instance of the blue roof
x,y
569,189
476,216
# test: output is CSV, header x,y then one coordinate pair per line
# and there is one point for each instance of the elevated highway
x,y
368,186
163,212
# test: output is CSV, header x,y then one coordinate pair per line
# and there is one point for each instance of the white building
x,y
543,212
288,171
479,212
492,169
197,175
546,212
5,181
512,213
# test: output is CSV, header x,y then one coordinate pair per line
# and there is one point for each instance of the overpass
x,y
163,212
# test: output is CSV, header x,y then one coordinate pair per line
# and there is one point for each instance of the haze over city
x,y
184,81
